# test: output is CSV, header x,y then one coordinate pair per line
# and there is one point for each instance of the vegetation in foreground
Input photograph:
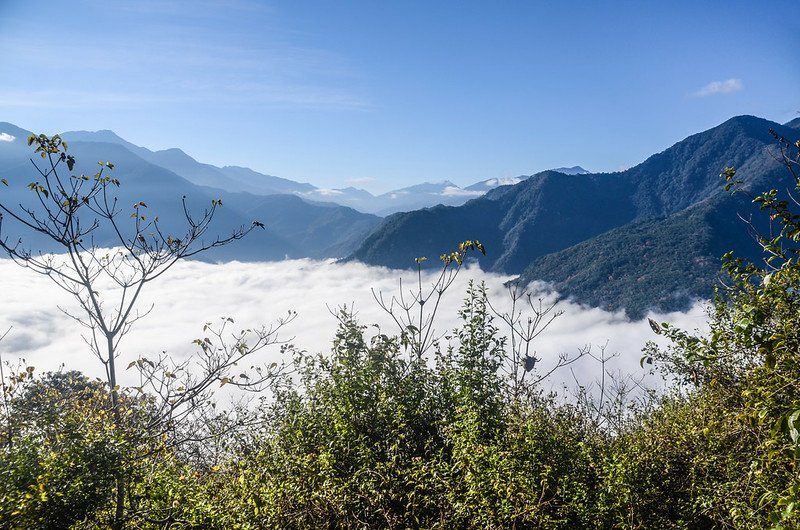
x,y
399,431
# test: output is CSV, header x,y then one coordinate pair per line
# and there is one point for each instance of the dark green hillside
x,y
515,223
429,232
661,264
531,226
688,172
551,211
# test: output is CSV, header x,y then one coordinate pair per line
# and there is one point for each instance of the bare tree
x,y
182,406
4,389
414,310
73,212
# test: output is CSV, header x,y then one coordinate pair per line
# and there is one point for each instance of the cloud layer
x,y
720,87
5,137
194,293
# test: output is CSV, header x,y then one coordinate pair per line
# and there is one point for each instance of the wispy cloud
x,y
5,137
255,293
325,192
194,8
453,191
720,87
196,61
503,181
78,99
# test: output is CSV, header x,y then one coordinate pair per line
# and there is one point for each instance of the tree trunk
x,y
119,476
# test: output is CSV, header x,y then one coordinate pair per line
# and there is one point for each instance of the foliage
x,y
749,359
59,450
375,436
69,210
414,311
422,430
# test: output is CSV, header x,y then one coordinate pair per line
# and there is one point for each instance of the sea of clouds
x,y
254,294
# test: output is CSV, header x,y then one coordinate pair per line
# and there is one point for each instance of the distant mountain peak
x,y
745,121
103,135
175,153
425,187
574,170
794,124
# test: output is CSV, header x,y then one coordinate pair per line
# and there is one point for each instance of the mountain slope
x,y
264,184
689,171
297,229
793,124
173,159
514,223
659,264
407,199
236,178
551,212
161,190
314,230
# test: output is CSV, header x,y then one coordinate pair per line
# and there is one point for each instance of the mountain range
x,y
649,237
242,179
295,228
303,220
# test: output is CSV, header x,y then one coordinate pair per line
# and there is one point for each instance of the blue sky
x,y
386,94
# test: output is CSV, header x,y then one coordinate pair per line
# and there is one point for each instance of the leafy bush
x,y
376,437
59,452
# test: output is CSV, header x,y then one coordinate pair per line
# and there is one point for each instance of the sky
x,y
382,95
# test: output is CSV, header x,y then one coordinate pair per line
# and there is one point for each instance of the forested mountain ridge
x,y
529,227
609,239
665,263
503,220
295,228
688,172
230,178
243,179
